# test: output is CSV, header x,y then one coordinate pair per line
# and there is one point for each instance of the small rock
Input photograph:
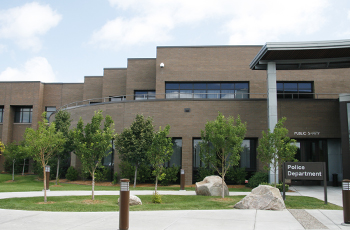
x,y
133,200
211,186
264,197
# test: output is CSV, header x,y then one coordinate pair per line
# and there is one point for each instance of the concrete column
x,y
187,158
272,106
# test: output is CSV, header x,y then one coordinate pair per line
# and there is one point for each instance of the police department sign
x,y
304,170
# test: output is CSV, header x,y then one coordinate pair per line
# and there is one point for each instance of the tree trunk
x,y
13,170
222,187
135,176
93,185
24,164
58,167
156,184
45,198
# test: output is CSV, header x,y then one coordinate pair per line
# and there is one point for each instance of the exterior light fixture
x,y
161,65
346,202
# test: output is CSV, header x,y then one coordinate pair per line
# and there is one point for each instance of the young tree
x,y
133,143
276,147
63,121
43,143
92,144
14,152
222,144
160,152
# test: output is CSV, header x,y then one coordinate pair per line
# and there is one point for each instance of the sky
x,y
65,40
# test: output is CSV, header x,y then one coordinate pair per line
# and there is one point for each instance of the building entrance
x,y
312,150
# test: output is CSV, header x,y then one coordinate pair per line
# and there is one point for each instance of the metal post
x,y
346,201
124,204
47,171
182,180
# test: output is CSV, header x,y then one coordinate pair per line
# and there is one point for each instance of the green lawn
x,y
169,202
30,183
109,203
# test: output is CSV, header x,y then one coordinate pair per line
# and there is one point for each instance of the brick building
x,y
187,86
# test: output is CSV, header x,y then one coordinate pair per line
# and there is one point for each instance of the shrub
x,y
115,178
257,178
237,175
171,175
72,174
204,172
84,174
156,198
144,172
103,174
18,166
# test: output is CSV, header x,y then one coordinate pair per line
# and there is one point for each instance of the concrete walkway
x,y
187,219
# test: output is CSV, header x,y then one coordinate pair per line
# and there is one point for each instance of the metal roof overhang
x,y
303,55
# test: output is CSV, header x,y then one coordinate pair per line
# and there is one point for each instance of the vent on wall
x,y
187,110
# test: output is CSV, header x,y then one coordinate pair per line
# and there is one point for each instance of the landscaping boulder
x,y
264,197
133,200
211,186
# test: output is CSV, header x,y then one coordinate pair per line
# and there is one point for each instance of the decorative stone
x,y
264,197
211,186
133,200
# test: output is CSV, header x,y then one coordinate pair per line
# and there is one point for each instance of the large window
x,y
294,90
145,94
248,155
210,90
49,110
175,159
117,98
23,114
1,113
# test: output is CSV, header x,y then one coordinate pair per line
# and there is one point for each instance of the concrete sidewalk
x,y
186,219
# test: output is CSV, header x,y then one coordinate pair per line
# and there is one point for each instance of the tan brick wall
x,y
141,75
52,95
93,87
72,92
226,63
114,82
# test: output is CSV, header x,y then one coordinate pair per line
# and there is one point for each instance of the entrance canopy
x,y
303,55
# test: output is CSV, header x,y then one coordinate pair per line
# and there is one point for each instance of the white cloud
x,y
35,69
268,20
26,23
243,22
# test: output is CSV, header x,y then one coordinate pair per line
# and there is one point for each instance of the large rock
x,y
133,200
211,186
263,197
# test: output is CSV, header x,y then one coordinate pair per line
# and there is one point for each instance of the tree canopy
x,y
222,143
275,148
2,147
133,143
14,152
63,122
92,144
160,152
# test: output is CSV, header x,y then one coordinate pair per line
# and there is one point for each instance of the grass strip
x,y
30,183
169,202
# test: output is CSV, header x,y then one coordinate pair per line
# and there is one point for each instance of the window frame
x,y
299,93
147,94
206,90
48,113
20,112
2,108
